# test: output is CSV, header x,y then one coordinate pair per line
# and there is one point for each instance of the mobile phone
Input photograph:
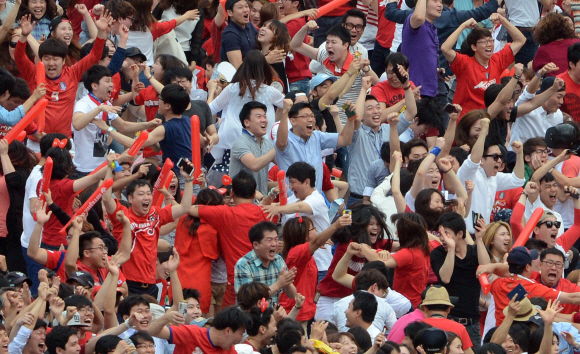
x,y
475,216
186,167
520,291
573,195
347,211
449,108
401,78
183,307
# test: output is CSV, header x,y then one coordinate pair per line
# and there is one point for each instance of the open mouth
x,y
553,198
330,52
489,51
247,17
310,128
88,321
38,13
145,205
173,187
374,235
376,118
272,253
552,276
42,346
144,323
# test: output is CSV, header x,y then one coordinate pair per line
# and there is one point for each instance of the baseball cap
x,y
436,295
527,310
230,4
17,278
548,82
537,320
83,278
76,321
519,256
226,70
134,52
434,340
562,136
56,21
319,79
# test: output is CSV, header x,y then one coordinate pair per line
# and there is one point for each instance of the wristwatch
x,y
111,129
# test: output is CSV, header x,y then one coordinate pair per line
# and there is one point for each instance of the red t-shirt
x,y
305,281
386,28
502,286
384,92
216,39
100,274
505,200
63,194
412,263
145,234
572,98
190,339
337,11
55,261
60,92
29,129
298,68
473,78
232,225
149,98
563,285
553,52
451,326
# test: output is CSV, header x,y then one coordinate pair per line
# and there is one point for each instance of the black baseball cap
x,y
519,256
17,278
83,278
434,340
548,82
134,52
57,21
230,4
562,136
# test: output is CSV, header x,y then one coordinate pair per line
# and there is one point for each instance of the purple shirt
x,y
397,334
421,47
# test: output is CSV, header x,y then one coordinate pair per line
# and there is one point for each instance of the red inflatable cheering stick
x,y
29,117
485,285
282,187
40,79
93,199
531,223
45,182
195,148
164,176
138,144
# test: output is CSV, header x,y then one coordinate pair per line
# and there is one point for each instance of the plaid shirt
x,y
41,28
250,268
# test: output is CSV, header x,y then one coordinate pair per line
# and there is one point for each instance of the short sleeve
x,y
438,256
82,106
299,255
571,167
230,42
328,140
460,64
379,93
166,216
53,258
240,149
403,257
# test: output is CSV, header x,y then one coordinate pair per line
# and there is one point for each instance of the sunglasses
x,y
13,44
549,224
496,157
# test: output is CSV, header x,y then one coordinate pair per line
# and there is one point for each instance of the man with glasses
x,y
536,154
483,168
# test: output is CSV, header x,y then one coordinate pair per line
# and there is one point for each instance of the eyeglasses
x,y
543,151
349,26
306,116
145,346
13,44
550,224
130,18
312,228
486,41
182,82
101,248
223,81
550,263
496,157
86,310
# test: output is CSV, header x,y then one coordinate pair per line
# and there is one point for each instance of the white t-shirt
x,y
91,142
183,31
28,222
319,217
143,41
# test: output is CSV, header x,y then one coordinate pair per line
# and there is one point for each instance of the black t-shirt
x,y
463,284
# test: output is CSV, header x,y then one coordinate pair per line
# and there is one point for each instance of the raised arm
x,y
448,47
34,251
446,270
418,181
518,38
339,85
190,15
8,22
345,136
418,17
179,210
340,274
539,100
506,93
397,162
83,11
297,43
282,136
72,253
321,239
477,150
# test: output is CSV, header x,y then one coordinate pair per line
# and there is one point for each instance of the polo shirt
x,y
247,143
250,268
397,334
385,316
234,37
308,151
564,285
422,68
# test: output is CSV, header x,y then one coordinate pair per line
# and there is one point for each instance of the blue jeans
x,y
324,24
342,160
300,85
528,51
378,57
32,268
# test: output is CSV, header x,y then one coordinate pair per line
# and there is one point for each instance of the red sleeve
x,y
299,255
208,241
165,215
122,278
403,257
52,258
571,167
516,219
213,215
432,132
514,195
568,238
158,29
25,66
506,56
144,95
117,226
273,174
85,63
467,343
326,182
379,93
460,64
539,290
31,128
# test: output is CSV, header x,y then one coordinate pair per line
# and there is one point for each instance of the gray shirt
x,y
366,148
248,144
376,174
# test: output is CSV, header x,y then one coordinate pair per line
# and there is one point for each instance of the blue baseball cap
x,y
520,256
319,79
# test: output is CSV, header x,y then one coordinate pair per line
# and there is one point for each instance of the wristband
x,y
188,180
127,323
517,77
538,74
366,71
435,151
111,129
406,88
444,172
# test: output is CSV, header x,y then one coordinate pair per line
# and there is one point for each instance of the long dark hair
x,y
422,207
209,8
281,38
412,231
180,6
20,156
254,72
74,50
50,13
142,18
361,218
205,197
295,232
6,60
63,164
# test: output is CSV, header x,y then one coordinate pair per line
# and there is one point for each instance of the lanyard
x,y
98,102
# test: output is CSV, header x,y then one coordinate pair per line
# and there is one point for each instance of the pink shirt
x,y
397,334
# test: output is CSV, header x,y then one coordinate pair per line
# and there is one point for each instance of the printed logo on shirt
x,y
151,103
197,351
4,129
54,96
62,85
484,84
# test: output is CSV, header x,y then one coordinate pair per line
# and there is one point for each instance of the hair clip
x,y
60,143
211,187
226,180
299,218
222,191
263,304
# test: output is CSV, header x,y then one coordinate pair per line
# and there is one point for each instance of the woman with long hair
x,y
468,128
43,12
251,82
16,161
368,228
145,29
554,33
197,245
189,33
274,42
346,340
300,242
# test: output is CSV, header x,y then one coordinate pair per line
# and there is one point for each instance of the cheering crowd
x,y
290,177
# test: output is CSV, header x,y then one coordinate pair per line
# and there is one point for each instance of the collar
x,y
240,28
336,71
296,138
369,130
257,261
209,339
